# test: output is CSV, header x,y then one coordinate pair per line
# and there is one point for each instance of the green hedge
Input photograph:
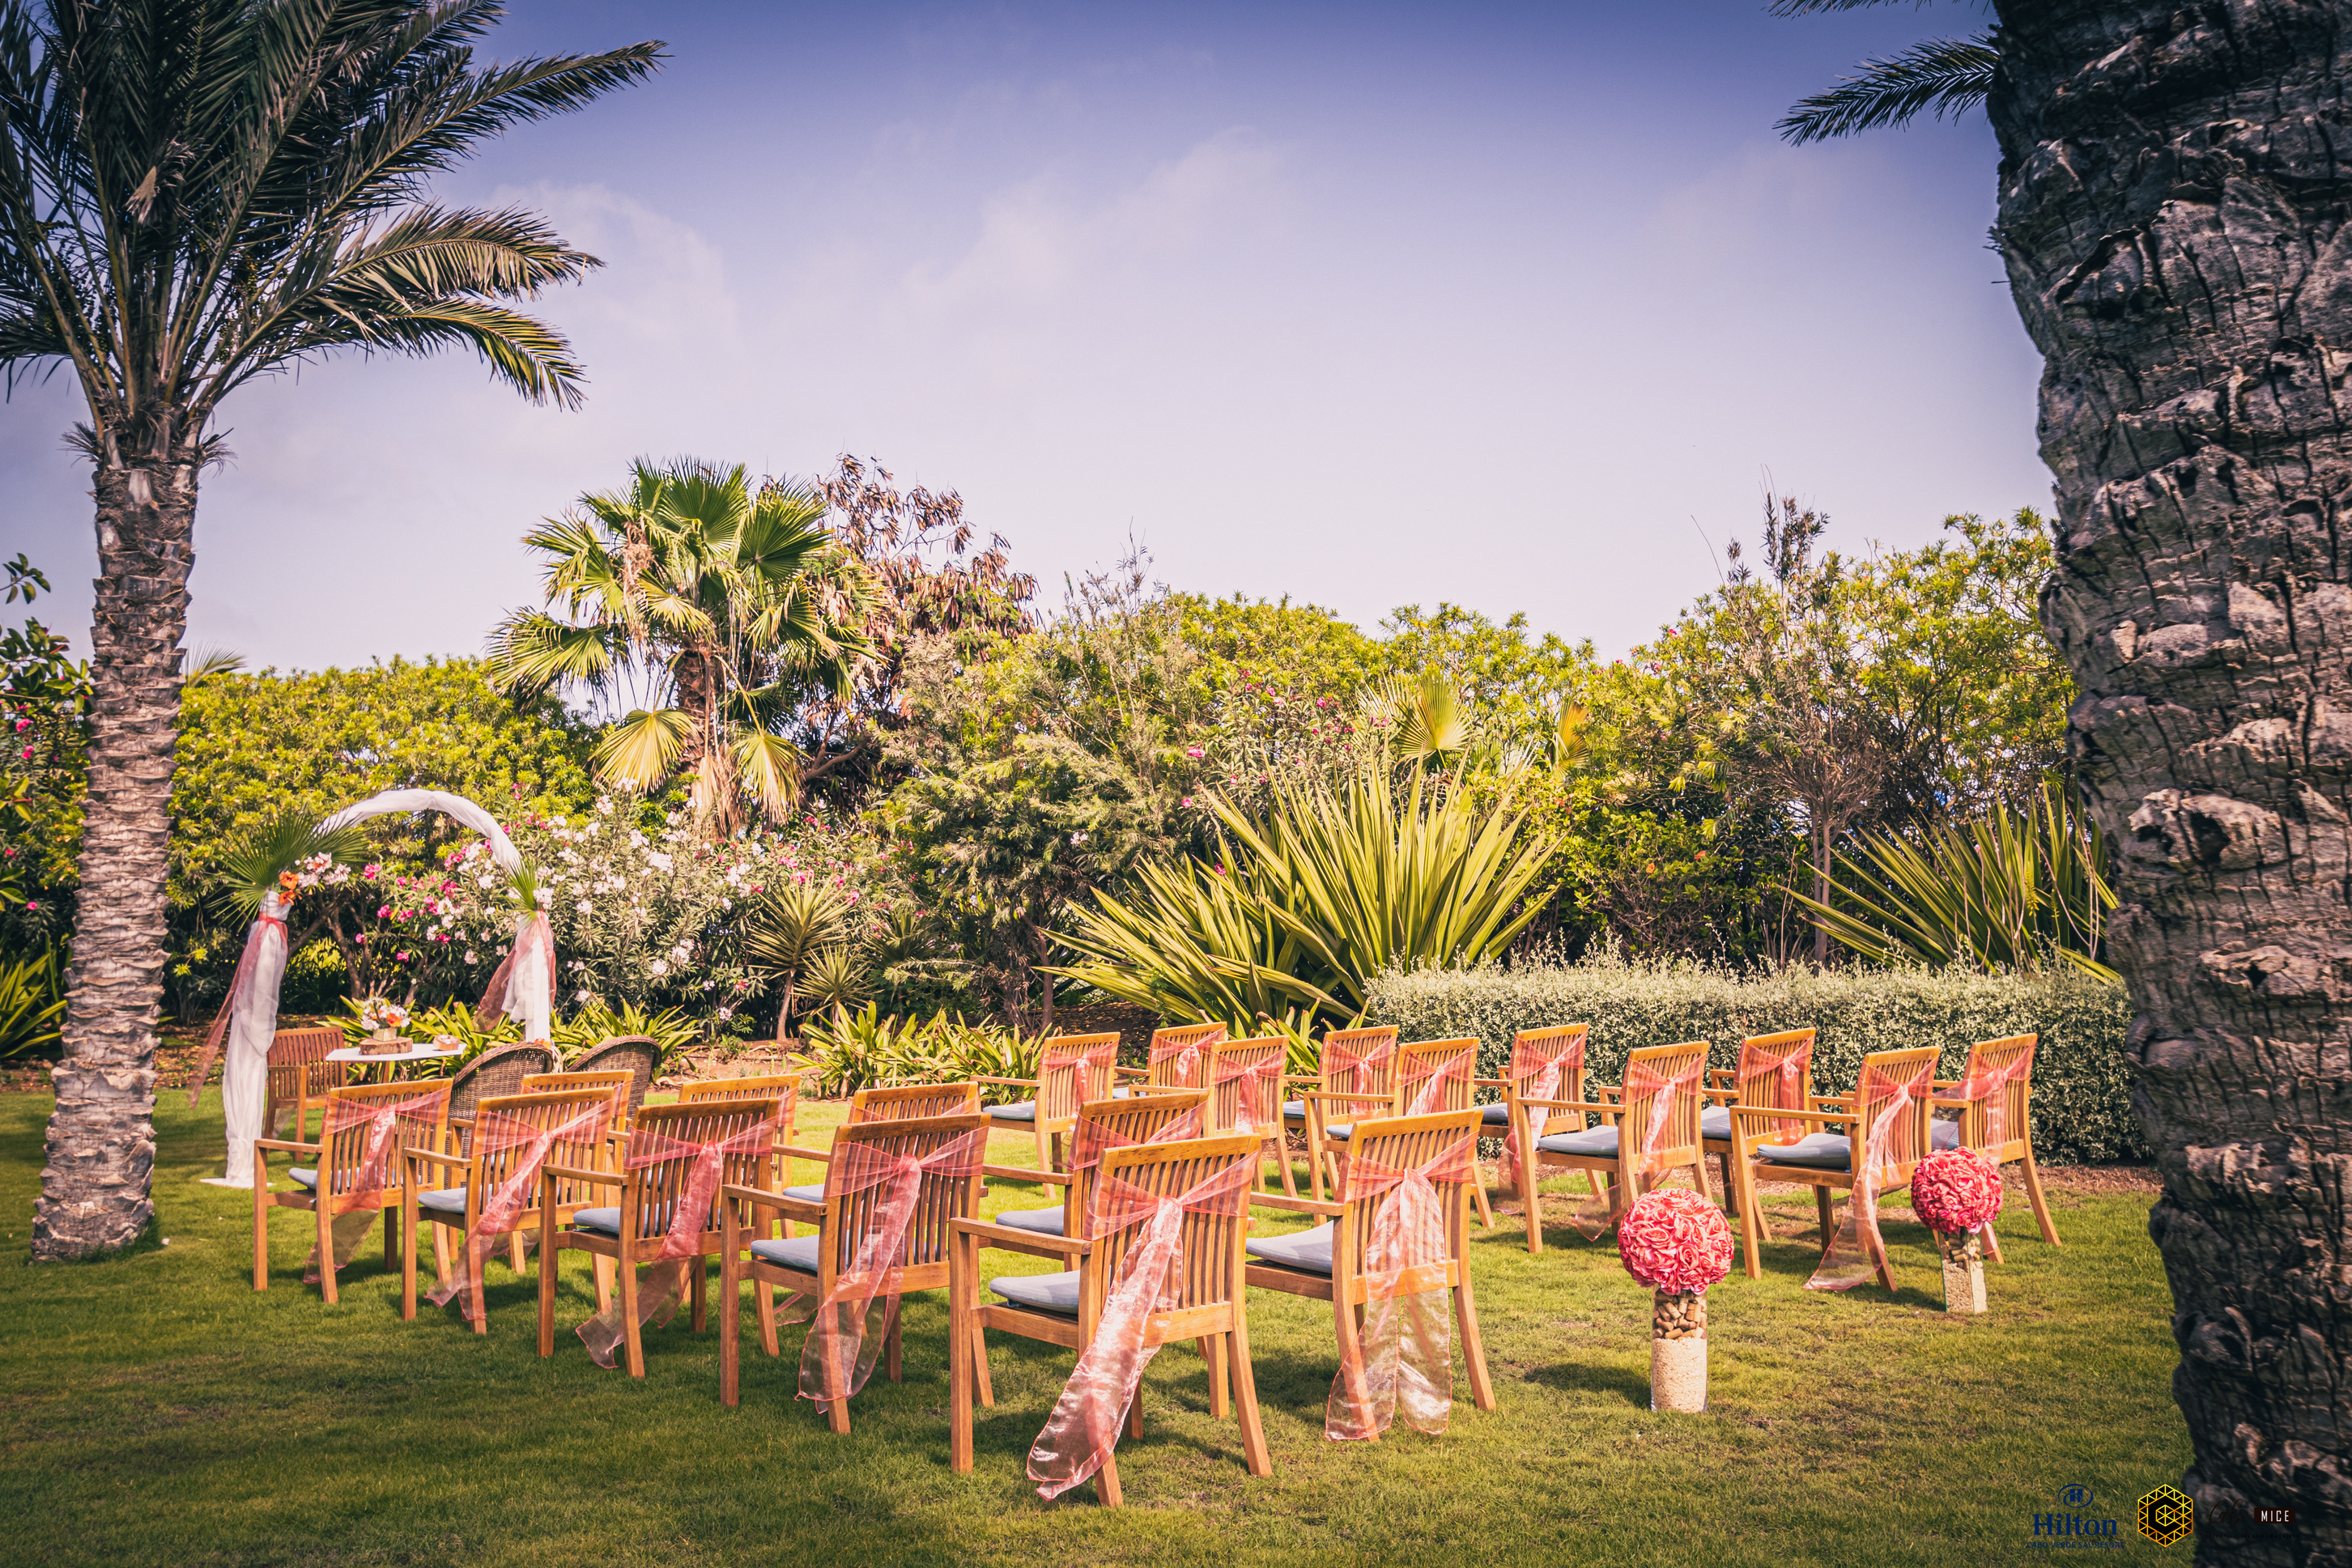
x,y
2081,1112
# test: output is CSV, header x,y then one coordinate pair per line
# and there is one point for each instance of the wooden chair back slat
x,y
1680,1145
615,1086
1417,1062
300,1072
903,1102
1762,1084
784,1088
1211,1271
1909,1139
1137,1118
540,1111
1377,1077
1163,1067
1407,1142
1532,1048
654,1190
941,1199
1066,1079
1225,1099
342,1157
1976,1122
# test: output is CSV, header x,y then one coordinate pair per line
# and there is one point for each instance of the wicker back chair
x,y
639,1054
299,1076
499,1071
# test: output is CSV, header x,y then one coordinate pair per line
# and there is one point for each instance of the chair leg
x,y
836,1395
550,1259
894,1365
1730,1195
1135,1413
260,1228
1213,1353
1282,1158
604,1279
979,1361
730,1326
1479,1185
1751,1218
1254,1453
1531,1203
1474,1346
763,1299
2040,1204
697,1283
514,1249
964,1340
1106,1491
1822,1209
1347,1322
408,1255
326,1247
479,1259
635,1345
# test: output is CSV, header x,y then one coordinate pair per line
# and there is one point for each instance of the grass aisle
x,y
156,1410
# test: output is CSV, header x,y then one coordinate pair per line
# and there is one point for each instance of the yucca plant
x,y
835,977
786,929
32,1004
670,1028
2011,890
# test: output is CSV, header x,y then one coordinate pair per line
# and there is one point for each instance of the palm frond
x,y
250,870
1949,76
642,751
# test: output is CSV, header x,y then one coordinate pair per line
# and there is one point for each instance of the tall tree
x,y
192,193
2174,217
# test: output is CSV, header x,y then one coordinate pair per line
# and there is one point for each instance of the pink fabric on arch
x,y
238,985
1794,1067
1548,1069
846,1332
1085,1425
1403,1365
681,1246
495,1131
535,943
1853,1251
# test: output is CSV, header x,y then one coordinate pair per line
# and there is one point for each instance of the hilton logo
x,y
2074,1529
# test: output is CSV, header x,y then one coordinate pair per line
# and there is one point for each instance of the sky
x,y
1519,307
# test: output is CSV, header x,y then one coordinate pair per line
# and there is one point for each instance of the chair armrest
x,y
1026,1173
1744,1114
1024,1083
1297,1205
460,1161
987,1232
1720,1093
601,1179
1290,1078
789,1153
1574,1106
1721,1077
282,1145
1354,1099
761,1197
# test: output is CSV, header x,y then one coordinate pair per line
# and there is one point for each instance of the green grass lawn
x,y
154,1409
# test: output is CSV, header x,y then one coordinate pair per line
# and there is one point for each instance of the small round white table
x,y
388,1058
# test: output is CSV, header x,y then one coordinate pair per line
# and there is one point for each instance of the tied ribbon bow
x,y
1093,1063
536,939
1644,1085
847,1330
1548,1069
1258,1108
1854,1251
1085,1425
689,1216
1792,1067
495,1132
1989,1086
1403,1366
1342,1062
1187,1054
237,988
382,1119
1092,1139
1429,1096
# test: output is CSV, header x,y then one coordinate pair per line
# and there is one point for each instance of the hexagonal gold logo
x,y
2166,1515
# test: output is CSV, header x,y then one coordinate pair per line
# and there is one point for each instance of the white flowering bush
x,y
644,913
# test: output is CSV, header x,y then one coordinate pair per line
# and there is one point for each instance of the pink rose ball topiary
x,y
1955,1190
1675,1241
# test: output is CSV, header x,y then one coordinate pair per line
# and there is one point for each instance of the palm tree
x,y
192,193
2173,222
725,606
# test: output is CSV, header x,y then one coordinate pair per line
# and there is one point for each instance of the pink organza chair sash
x,y
378,1156
1425,1080
1092,1139
1084,1425
1549,1068
1853,1251
689,1216
1990,1085
1794,1067
1260,1107
1341,1060
1188,1056
1404,1366
1102,1055
494,1132
846,1332
1591,1212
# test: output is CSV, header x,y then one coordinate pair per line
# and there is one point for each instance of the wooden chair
x,y
2002,1128
637,1054
615,1083
1623,1152
1827,1162
1326,1263
1122,1124
1774,1071
1546,1064
455,1208
1233,1064
810,1266
1066,1309
1358,1070
497,1072
299,1077
1072,1070
634,1231
1178,1059
1426,1076
783,1088
341,1180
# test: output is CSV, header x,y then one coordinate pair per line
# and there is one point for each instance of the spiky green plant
x,y
250,870
2011,890
32,1004
835,976
787,928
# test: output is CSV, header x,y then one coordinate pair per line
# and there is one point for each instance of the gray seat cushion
x,y
303,1177
1294,1108
1343,1130
1495,1115
1054,1294
1944,1136
1715,1122
1043,1221
800,1252
1026,1111
1308,1249
1593,1142
445,1200
812,1193
1822,1151
604,1222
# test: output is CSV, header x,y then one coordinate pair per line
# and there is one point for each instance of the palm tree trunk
x,y
95,1193
2173,215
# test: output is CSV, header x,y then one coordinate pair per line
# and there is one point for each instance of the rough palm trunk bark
x,y
102,1138
2174,205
